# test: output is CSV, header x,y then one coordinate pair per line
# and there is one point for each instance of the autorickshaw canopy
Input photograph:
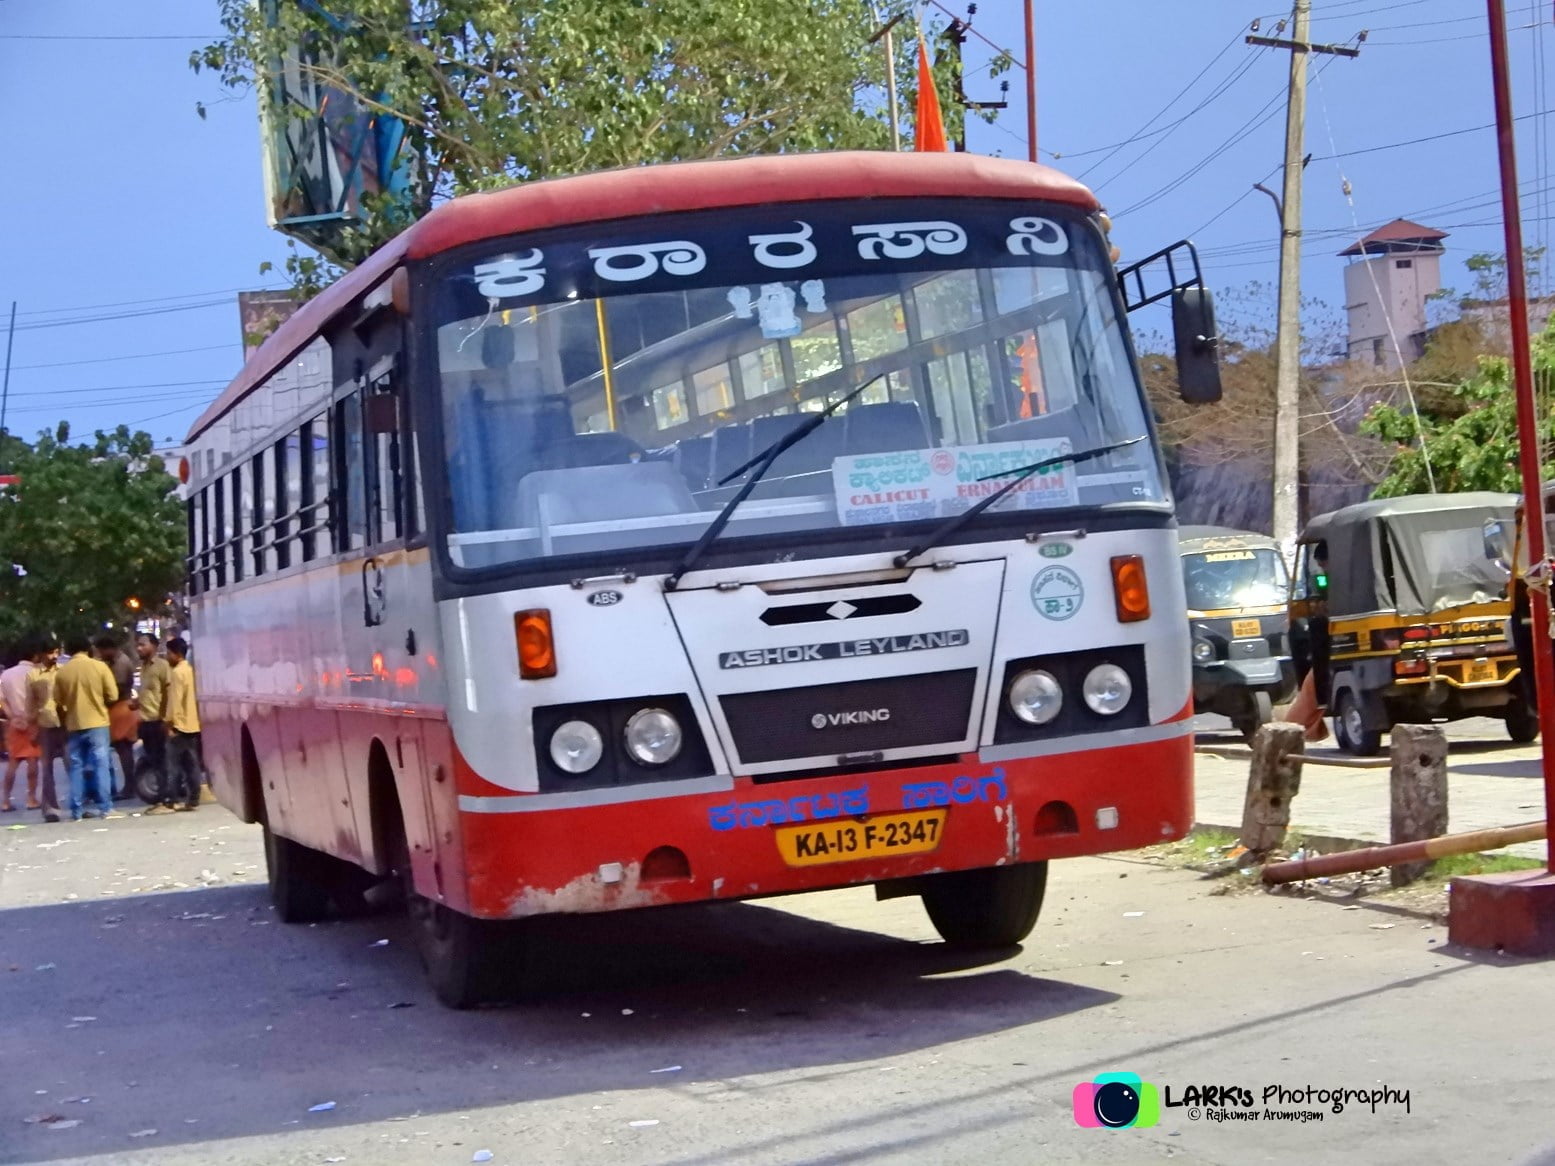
x,y
1417,555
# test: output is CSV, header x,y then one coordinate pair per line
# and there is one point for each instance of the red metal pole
x,y
1527,418
1031,82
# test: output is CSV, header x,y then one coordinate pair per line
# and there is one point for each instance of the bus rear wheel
x,y
996,906
298,878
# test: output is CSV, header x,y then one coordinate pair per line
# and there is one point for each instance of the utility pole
x,y
885,34
1528,444
5,386
1287,384
1031,83
956,32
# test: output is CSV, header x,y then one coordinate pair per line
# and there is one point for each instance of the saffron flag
x,y
928,126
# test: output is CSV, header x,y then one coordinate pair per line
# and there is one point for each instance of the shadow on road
x,y
1521,767
197,1005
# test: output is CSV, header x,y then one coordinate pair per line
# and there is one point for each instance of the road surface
x,y
152,1001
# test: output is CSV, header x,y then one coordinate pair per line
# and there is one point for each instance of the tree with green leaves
x,y
91,534
1474,444
492,93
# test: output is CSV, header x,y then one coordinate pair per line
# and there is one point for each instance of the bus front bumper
x,y
743,842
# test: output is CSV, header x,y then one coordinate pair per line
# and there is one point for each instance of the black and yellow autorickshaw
x,y
1236,586
1402,615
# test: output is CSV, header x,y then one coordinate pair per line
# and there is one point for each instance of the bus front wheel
x,y
996,906
468,961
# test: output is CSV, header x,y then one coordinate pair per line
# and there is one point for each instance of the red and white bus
x,y
701,531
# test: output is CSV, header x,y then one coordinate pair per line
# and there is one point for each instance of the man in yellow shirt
x,y
44,713
83,689
151,703
182,718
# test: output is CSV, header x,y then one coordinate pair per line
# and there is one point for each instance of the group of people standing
x,y
83,707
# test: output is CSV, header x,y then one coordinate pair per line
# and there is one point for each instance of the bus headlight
x,y
653,737
1107,689
576,747
1203,651
1035,697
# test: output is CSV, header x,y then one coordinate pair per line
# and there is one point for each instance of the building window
x,y
1403,263
1376,352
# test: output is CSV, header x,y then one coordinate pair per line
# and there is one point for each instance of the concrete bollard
x,y
1272,784
1419,791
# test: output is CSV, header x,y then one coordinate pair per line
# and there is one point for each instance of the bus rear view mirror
x,y
1198,345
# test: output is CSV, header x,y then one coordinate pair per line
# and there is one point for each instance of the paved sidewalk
x,y
1490,783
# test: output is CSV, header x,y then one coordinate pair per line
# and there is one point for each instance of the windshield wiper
x,y
940,533
763,462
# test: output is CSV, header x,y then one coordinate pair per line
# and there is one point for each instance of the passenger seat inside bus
x,y
884,428
548,499
731,450
693,457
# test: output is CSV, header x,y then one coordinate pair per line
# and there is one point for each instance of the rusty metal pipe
x,y
1350,861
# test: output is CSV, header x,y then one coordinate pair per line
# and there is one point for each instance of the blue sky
x,y
123,203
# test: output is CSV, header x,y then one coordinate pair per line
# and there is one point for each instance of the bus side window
x,y
318,523
393,506
278,507
296,520
238,503
195,509
218,540
351,471
259,493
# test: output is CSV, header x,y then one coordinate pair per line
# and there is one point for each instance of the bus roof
x,y
659,189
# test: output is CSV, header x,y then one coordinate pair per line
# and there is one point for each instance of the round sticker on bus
x,y
605,598
1057,593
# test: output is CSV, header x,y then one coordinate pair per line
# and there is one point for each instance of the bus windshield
x,y
1225,580
601,386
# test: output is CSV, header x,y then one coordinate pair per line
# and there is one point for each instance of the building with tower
x,y
1391,275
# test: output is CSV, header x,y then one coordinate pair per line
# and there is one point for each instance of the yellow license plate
x,y
881,836
1246,629
1481,672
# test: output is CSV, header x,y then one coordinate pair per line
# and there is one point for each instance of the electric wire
x,y
1371,271
1197,77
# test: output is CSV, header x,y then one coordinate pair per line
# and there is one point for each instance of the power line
x,y
222,303
124,356
207,383
221,291
1014,60
1269,109
1490,125
1477,19
1197,77
206,37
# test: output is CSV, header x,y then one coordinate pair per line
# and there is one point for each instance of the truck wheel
x,y
996,906
1350,728
1259,711
299,879
1522,723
